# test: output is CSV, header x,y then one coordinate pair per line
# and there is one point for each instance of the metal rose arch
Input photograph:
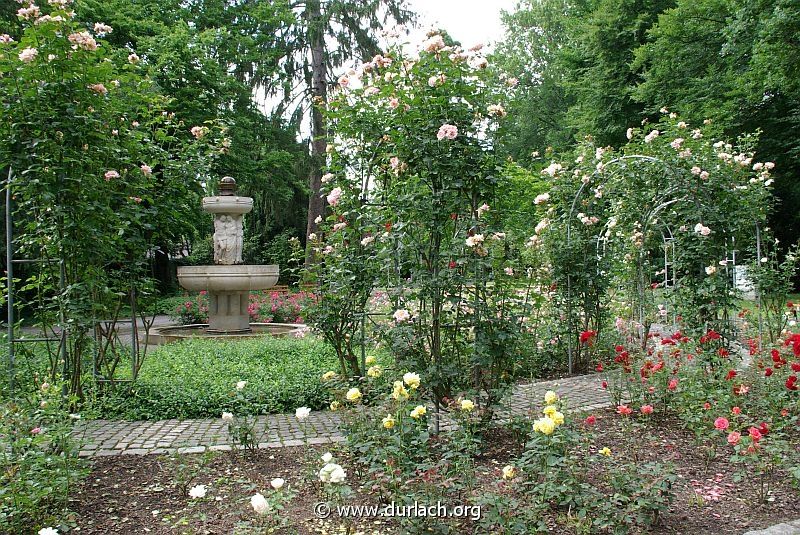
x,y
662,212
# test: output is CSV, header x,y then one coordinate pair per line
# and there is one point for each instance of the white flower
x,y
629,133
240,385
702,229
552,169
682,124
366,241
509,271
227,416
198,491
710,270
401,315
317,221
328,457
260,503
676,143
28,55
704,175
482,209
326,178
277,483
75,416
102,29
651,136
133,58
332,473
696,170
475,240
543,224
302,413
542,198
48,531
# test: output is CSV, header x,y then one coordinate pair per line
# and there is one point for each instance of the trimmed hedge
x,y
197,378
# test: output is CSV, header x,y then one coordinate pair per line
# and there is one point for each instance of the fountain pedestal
x,y
228,282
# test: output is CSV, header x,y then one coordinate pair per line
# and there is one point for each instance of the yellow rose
x,y
550,397
327,376
418,412
370,360
399,391
412,380
467,405
374,371
557,417
606,452
544,425
335,405
354,395
550,410
388,422
509,472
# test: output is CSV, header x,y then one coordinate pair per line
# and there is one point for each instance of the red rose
x,y
590,420
731,375
767,372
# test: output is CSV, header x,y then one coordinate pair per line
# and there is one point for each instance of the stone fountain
x,y
228,282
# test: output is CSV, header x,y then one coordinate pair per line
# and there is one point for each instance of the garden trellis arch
x,y
674,194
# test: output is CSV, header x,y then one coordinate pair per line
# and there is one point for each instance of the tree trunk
x,y
319,97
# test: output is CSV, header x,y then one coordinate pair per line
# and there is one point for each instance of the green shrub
x,y
196,378
38,461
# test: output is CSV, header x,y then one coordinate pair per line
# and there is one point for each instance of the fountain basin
x,y
228,204
227,278
166,335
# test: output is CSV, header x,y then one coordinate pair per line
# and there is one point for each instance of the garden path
x,y
116,437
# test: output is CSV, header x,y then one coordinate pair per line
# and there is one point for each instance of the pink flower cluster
x,y
447,131
83,40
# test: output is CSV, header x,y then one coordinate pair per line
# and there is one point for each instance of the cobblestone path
x,y
117,437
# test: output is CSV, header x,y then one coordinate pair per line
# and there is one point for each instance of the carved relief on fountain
x,y
228,236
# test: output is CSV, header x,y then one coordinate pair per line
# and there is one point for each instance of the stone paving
x,y
116,437
787,528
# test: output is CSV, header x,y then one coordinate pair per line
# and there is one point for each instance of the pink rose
x,y
734,437
334,196
721,423
447,131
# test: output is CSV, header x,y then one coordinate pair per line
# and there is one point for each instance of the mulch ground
x,y
141,494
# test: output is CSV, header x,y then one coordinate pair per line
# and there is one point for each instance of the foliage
x,y
38,461
195,378
211,58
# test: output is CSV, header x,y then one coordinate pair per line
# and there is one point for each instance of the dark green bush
x,y
197,378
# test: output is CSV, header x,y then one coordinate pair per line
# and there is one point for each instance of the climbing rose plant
x,y
100,170
411,184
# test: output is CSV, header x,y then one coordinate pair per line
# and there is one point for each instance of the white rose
x,y
302,413
259,503
277,483
198,491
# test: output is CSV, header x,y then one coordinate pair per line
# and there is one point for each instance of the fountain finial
x,y
227,186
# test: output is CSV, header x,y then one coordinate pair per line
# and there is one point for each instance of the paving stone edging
x,y
103,438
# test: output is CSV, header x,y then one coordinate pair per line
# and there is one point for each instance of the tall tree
x,y
325,36
736,62
211,57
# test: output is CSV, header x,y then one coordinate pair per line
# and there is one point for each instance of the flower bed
x,y
264,307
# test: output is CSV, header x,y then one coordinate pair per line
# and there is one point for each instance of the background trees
x,y
602,66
